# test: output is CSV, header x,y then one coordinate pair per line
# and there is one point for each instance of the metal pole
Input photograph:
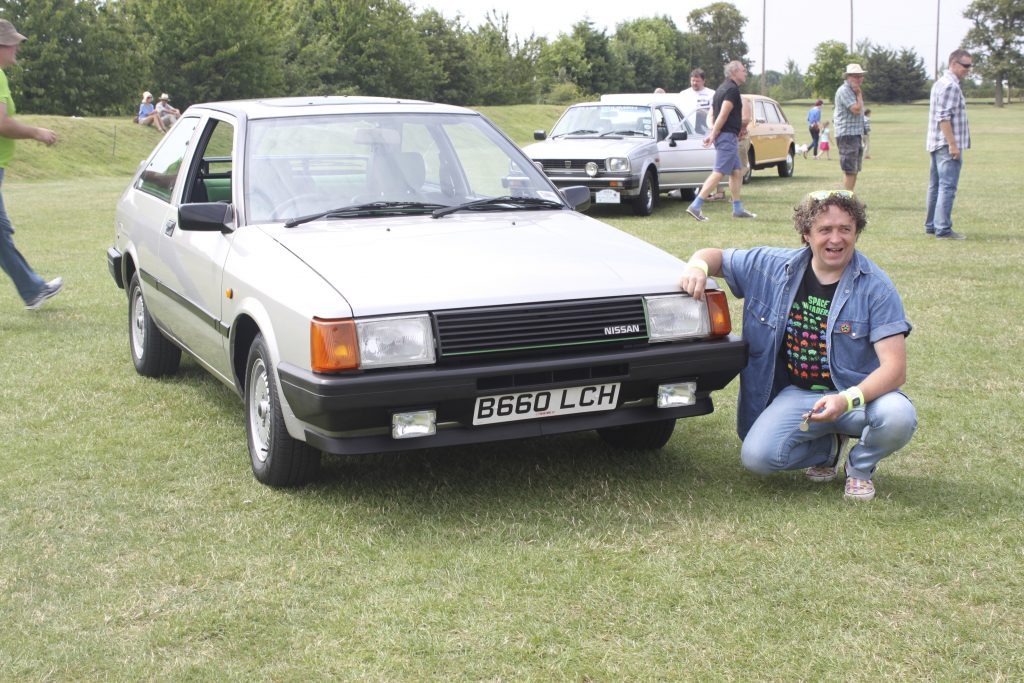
x,y
764,32
851,27
938,14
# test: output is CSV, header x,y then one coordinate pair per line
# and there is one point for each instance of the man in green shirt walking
x,y
32,288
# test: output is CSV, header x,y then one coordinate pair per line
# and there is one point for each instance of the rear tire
x,y
153,354
646,436
750,166
687,194
643,205
786,167
277,459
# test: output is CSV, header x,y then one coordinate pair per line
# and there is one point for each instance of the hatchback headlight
x,y
393,342
674,316
618,164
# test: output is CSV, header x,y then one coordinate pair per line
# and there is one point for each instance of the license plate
x,y
529,405
608,197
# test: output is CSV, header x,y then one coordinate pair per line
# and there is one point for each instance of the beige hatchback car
x,y
772,138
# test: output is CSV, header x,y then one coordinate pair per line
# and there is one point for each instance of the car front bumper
x,y
352,414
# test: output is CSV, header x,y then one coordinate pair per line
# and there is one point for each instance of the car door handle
x,y
169,226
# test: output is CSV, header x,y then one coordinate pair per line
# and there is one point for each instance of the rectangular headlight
x,y
393,342
617,164
675,316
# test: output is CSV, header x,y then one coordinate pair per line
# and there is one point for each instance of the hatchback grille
x,y
532,327
566,165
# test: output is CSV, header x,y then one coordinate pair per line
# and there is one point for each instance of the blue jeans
x,y
942,183
25,279
775,441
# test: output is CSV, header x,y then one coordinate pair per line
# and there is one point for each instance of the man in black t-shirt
x,y
727,108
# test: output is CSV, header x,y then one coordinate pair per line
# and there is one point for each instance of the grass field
x,y
136,545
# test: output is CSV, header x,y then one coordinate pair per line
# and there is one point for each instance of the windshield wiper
x,y
581,131
624,132
367,209
509,201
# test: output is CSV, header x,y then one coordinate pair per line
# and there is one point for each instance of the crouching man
x,y
826,330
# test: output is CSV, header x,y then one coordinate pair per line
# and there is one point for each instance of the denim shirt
x,y
866,309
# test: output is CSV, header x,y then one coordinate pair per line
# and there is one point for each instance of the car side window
x,y
161,174
211,181
672,118
773,113
759,114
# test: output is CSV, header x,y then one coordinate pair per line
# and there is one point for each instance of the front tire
x,y
277,459
646,436
786,167
153,354
643,205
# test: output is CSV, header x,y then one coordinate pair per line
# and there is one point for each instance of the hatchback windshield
x,y
605,120
300,166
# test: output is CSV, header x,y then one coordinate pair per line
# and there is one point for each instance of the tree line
x,y
95,57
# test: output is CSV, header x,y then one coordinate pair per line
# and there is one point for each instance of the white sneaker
x,y
49,290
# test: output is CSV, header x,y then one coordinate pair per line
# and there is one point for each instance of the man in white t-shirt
x,y
697,96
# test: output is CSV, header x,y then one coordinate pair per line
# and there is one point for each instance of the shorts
x,y
824,147
727,155
850,152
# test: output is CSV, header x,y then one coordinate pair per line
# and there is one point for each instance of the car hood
x,y
585,148
417,263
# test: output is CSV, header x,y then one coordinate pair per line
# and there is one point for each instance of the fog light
x,y
677,395
412,425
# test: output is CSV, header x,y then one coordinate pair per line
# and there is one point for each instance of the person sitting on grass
x,y
826,330
148,115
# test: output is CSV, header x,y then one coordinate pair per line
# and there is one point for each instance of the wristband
x,y
854,398
699,264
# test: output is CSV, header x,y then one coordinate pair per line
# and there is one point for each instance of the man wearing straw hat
x,y
848,124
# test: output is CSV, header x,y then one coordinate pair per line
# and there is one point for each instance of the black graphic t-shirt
x,y
804,349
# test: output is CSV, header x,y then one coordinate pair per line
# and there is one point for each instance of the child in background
x,y
823,144
867,134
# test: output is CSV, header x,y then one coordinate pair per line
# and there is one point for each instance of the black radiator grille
x,y
528,327
573,164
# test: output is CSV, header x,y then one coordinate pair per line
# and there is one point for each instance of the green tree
x,y
825,74
894,77
997,41
448,48
719,32
791,85
211,50
74,62
650,52
504,66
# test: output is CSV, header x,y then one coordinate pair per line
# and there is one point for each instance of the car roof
x,y
278,107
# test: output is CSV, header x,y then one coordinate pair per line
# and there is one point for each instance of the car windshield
x,y
604,120
356,165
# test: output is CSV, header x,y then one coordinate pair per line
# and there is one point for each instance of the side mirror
x,y
206,217
678,135
578,197
540,135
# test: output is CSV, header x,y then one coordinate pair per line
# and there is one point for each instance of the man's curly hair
x,y
810,208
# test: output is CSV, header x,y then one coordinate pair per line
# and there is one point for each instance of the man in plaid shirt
x,y
848,124
948,136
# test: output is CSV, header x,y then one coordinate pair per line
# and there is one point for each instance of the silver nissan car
x,y
374,274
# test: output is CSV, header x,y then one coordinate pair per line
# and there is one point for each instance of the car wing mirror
x,y
675,136
540,135
206,217
577,196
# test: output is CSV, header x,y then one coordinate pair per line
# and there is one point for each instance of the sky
x,y
794,27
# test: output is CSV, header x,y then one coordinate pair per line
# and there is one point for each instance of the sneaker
x,y
49,290
951,235
859,489
696,213
828,471
929,233
744,214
